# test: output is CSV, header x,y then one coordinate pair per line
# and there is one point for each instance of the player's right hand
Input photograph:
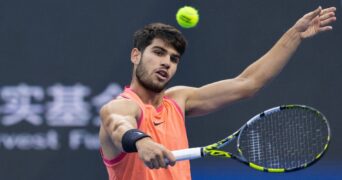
x,y
315,22
153,154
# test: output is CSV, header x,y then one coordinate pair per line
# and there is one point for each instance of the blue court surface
x,y
229,169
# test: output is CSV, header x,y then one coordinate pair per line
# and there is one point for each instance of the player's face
x,y
157,65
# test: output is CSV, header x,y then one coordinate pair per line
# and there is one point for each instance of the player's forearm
x,y
269,65
116,127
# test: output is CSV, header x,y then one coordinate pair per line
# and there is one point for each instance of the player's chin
x,y
159,86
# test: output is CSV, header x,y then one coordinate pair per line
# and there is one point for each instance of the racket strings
x,y
286,139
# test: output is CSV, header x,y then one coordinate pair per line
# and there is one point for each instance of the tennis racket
x,y
281,139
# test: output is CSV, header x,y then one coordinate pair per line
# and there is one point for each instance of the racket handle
x,y
186,154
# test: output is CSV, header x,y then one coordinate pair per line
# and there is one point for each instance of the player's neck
x,y
147,96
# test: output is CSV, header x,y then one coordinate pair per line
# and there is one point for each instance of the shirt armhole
x,y
111,162
177,106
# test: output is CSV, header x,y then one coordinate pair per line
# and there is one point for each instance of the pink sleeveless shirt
x,y
166,126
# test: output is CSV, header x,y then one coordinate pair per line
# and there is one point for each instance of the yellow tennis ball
x,y
187,17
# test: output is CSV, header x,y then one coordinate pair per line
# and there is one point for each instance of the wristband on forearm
x,y
129,139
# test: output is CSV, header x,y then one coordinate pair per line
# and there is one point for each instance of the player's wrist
x,y
130,138
294,34
291,39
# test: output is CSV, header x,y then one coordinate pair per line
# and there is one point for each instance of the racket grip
x,y
186,154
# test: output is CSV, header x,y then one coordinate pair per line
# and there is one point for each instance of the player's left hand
x,y
315,22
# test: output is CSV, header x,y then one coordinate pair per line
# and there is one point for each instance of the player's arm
x,y
119,133
213,96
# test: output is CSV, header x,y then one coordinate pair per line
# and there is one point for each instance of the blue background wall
x,y
46,44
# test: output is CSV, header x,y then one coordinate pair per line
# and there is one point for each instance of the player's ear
x,y
135,56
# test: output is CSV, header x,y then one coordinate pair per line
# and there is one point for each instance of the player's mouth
x,y
162,74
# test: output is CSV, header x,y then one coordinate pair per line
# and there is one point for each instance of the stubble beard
x,y
142,75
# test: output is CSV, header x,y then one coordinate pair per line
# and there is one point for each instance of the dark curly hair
x,y
172,36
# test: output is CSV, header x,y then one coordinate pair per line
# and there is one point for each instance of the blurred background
x,y
60,60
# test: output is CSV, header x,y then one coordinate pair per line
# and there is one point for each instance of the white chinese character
x,y
68,107
18,104
108,94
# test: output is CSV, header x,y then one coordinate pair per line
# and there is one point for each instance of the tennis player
x,y
144,123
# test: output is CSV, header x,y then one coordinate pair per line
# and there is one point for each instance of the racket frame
x,y
214,149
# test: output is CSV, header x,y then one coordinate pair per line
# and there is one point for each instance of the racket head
x,y
284,138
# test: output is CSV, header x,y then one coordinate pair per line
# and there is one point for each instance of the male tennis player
x,y
143,124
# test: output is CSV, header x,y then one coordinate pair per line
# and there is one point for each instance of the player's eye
x,y
175,59
159,53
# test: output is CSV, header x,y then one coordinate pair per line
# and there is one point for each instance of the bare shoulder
x,y
121,106
179,91
180,94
